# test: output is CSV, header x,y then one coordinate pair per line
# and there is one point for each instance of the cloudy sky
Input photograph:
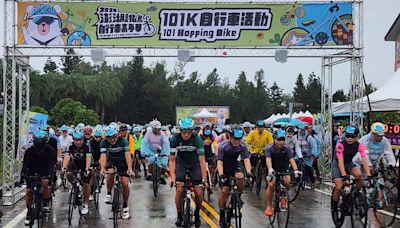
x,y
378,61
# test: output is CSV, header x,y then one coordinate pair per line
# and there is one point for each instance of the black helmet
x,y
352,130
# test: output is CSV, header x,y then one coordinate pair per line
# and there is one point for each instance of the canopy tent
x,y
385,99
204,114
287,121
295,115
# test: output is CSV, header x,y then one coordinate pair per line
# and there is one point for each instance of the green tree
x,y
259,99
369,88
70,61
38,109
313,92
339,96
50,66
67,111
276,96
299,91
241,95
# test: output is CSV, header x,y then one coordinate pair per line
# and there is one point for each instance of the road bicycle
x,y
187,213
295,11
298,183
156,174
338,28
352,203
207,191
136,163
75,195
259,172
381,197
234,209
98,182
280,201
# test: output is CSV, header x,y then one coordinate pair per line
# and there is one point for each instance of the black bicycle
x,y
234,209
280,201
298,183
75,195
136,163
208,191
187,214
156,175
36,211
98,182
352,203
258,174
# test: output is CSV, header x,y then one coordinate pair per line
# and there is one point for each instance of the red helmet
x,y
87,130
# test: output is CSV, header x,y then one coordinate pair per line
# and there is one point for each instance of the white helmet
x,y
246,124
155,124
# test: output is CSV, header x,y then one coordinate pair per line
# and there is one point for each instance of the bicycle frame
x,y
187,201
234,203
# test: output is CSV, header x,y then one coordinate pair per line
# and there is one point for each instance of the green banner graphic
x,y
184,24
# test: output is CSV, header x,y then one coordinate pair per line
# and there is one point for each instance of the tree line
x,y
133,93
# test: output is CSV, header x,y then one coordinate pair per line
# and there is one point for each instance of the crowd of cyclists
x,y
229,151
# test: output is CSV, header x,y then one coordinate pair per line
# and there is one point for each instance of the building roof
x,y
394,30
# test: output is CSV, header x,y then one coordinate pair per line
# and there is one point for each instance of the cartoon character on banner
x,y
43,25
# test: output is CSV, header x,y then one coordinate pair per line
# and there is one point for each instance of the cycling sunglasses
x,y
111,137
186,132
351,136
281,139
78,139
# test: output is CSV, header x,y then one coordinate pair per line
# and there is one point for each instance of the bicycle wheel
x,y
275,206
384,199
116,207
282,215
186,213
229,212
339,34
156,178
209,187
95,191
136,165
238,212
340,212
64,182
259,179
295,188
71,205
359,211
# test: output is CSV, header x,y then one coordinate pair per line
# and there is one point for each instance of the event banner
x,y
183,24
221,112
31,124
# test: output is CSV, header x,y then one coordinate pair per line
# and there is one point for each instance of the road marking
x,y
16,219
208,220
210,209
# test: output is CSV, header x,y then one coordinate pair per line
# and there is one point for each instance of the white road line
x,y
16,220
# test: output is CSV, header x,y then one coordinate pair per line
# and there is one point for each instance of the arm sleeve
x,y
25,163
339,150
103,148
361,149
144,148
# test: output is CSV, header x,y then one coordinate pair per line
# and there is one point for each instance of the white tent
x,y
204,114
274,117
386,98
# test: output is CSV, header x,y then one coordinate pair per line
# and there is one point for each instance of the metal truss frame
x,y
16,72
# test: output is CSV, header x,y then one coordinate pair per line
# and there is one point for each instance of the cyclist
x,y
292,142
343,165
309,151
278,157
256,141
208,136
246,128
65,139
228,166
38,160
187,153
137,142
94,148
123,132
378,146
152,141
196,129
115,152
79,158
87,132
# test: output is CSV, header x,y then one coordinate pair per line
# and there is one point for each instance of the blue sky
x,y
378,61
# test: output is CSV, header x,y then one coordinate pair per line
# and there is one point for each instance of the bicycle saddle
x,y
308,22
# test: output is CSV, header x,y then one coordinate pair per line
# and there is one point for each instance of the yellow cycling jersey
x,y
257,142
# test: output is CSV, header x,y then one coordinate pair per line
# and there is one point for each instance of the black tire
x,y
385,200
359,210
116,207
209,188
259,179
275,206
341,214
238,212
71,205
136,165
94,190
38,214
64,182
186,213
282,214
229,212
155,177
295,189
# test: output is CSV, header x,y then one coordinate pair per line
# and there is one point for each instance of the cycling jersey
x,y
188,151
376,150
208,140
347,151
65,142
137,142
257,142
115,153
55,145
228,154
39,161
280,158
95,150
78,157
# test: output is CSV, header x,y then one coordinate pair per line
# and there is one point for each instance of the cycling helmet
x,y
351,130
70,131
98,132
164,128
279,134
39,139
88,130
80,126
110,131
123,127
52,133
174,131
290,129
77,135
237,132
246,124
186,123
197,128
39,134
155,124
44,127
64,128
260,123
137,129
219,130
378,128
226,128
207,132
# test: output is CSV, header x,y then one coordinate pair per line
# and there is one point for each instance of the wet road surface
x,y
311,209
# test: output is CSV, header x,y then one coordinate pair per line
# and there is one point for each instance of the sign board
x,y
31,124
189,24
222,113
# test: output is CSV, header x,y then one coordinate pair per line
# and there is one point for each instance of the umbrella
x,y
288,121
306,119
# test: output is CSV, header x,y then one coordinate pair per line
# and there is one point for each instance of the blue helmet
x,y
98,132
77,135
64,128
279,134
186,123
260,123
207,132
351,130
80,127
39,134
237,132
137,129
110,131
